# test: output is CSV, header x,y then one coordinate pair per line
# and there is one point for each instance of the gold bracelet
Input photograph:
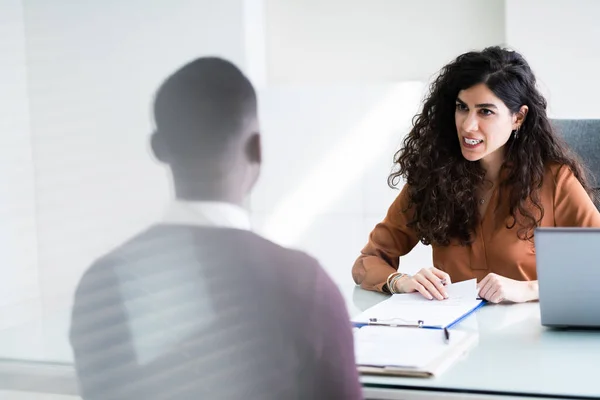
x,y
392,282
396,279
388,282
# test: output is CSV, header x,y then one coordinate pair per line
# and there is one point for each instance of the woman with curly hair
x,y
483,167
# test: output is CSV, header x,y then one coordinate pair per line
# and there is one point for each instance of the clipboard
x,y
414,310
387,343
380,351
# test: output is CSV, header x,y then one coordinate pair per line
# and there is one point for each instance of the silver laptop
x,y
568,268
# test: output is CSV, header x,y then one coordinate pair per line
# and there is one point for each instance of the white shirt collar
x,y
208,213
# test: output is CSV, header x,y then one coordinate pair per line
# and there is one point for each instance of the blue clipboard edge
x,y
455,322
483,302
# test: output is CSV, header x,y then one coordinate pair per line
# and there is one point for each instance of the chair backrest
x,y
583,137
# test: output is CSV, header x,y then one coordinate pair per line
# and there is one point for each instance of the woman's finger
x,y
496,296
482,283
429,286
411,285
487,290
442,275
421,289
435,280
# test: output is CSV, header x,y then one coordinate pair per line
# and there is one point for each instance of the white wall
x,y
560,40
19,288
344,79
327,153
351,41
93,69
81,113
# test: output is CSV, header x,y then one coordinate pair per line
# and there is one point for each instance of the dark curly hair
x,y
443,184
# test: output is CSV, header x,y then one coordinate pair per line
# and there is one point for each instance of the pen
x,y
446,336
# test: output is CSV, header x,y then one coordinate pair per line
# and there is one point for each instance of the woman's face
x,y
484,124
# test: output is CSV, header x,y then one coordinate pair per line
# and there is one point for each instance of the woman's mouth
x,y
472,143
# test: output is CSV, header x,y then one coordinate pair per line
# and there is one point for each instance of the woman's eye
x,y
461,107
486,112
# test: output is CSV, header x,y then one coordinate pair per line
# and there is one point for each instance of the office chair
x,y
583,136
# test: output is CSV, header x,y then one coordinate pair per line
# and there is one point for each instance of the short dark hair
x,y
201,107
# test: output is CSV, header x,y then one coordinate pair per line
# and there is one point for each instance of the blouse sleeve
x,y
389,240
573,207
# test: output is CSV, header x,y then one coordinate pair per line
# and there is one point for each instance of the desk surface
x,y
515,356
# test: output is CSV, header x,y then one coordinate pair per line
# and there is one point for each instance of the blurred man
x,y
198,306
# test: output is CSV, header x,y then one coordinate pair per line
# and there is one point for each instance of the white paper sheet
x,y
413,307
409,348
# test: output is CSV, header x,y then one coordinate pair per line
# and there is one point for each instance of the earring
x,y
516,133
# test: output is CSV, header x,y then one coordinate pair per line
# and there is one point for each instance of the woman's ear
x,y
158,147
520,117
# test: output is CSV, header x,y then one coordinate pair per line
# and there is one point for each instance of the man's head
x,y
207,131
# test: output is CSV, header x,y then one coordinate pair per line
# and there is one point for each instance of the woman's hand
x,y
495,289
428,281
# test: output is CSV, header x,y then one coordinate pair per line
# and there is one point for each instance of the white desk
x,y
516,358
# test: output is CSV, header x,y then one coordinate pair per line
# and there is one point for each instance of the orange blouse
x,y
495,247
